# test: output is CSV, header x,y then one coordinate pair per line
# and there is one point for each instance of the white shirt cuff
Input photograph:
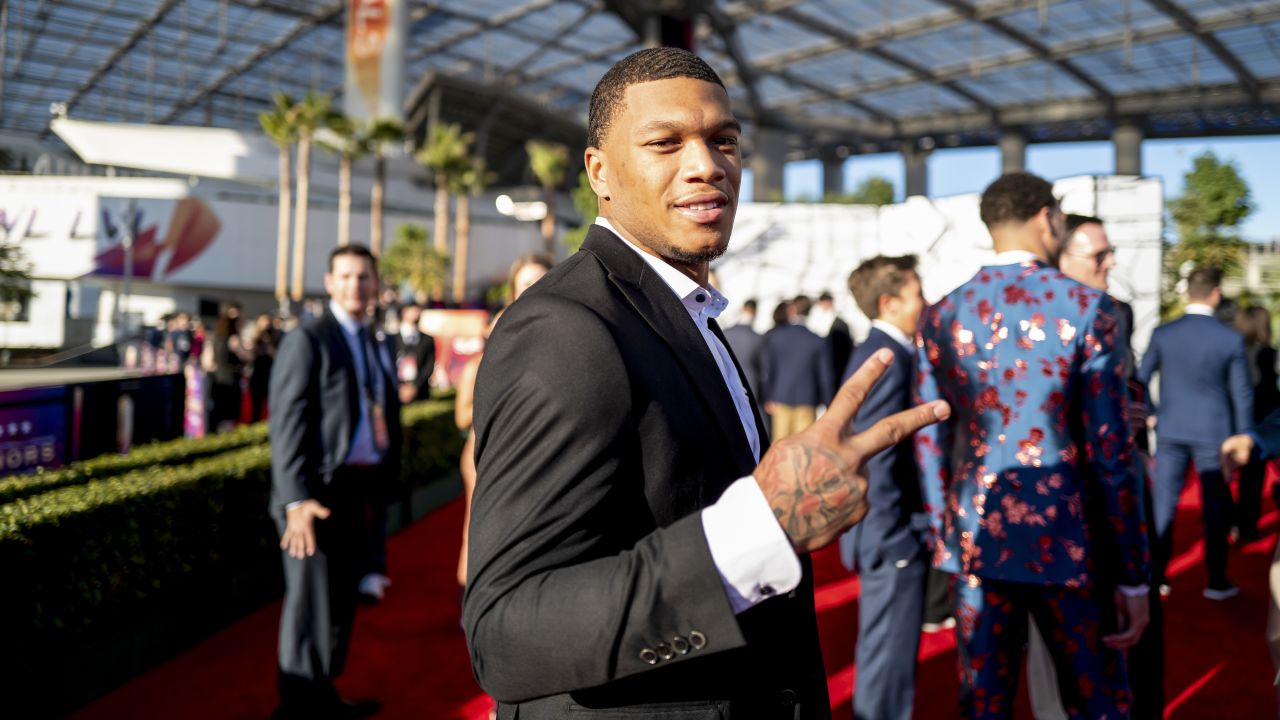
x,y
751,552
1135,590
293,505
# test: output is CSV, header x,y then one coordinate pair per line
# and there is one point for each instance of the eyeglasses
x,y
1098,258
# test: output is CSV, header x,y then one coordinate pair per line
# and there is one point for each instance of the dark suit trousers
x,y
321,590
1172,461
889,612
1252,477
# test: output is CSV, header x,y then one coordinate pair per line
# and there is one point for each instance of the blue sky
x,y
965,170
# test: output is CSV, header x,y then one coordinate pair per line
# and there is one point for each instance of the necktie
x,y
370,363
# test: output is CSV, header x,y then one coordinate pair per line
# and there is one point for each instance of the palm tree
x,y
350,144
549,162
314,111
411,260
379,134
471,181
445,153
278,124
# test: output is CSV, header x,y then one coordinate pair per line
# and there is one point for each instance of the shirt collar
x,y
1198,309
348,323
1014,257
894,332
697,300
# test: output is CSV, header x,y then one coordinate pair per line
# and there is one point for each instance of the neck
x,y
1019,241
696,271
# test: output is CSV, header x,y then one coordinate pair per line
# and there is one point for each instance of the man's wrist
x,y
749,548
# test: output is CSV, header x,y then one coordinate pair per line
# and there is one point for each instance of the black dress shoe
x,y
355,709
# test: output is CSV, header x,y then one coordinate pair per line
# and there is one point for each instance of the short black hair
x,y
1202,282
826,297
652,64
1075,222
1015,197
801,304
750,305
355,251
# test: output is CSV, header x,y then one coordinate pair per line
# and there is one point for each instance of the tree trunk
x,y
549,222
300,217
344,201
375,203
282,226
442,227
462,245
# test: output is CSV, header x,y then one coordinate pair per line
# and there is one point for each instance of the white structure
x,y
196,241
779,251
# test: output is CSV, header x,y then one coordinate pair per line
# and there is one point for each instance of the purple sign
x,y
32,429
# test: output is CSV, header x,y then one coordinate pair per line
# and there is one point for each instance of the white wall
x,y
779,251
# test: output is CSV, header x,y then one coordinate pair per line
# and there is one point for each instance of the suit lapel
x,y
761,431
654,300
338,346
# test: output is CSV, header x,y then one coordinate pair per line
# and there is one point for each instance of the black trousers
x,y
321,590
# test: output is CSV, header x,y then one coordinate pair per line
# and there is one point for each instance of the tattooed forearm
x,y
814,492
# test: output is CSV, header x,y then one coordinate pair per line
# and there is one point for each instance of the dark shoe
x,y
354,709
1221,591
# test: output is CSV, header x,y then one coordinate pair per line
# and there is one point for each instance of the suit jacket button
x,y
680,645
767,590
664,651
787,697
649,656
901,564
697,640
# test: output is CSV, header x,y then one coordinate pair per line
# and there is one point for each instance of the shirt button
x,y
700,297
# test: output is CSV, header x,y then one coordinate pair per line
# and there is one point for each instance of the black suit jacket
x,y
424,355
315,408
895,526
603,427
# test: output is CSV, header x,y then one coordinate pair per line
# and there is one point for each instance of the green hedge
x,y
152,455
87,557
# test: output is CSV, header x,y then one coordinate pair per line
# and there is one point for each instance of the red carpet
x,y
409,651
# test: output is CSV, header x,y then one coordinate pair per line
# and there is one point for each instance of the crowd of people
x,y
644,488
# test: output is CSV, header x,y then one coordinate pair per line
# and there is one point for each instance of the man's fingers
x,y
1123,640
854,391
891,430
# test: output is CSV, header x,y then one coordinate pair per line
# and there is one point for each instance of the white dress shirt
x,y
749,548
363,450
1198,309
894,332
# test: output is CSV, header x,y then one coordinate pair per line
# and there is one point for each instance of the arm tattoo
x,y
824,495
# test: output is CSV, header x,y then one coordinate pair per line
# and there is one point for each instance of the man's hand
x,y
299,532
1151,421
1235,451
814,479
1132,615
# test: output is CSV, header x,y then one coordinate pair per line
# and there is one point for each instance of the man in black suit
x,y
335,439
415,356
825,322
626,550
888,547
748,347
800,376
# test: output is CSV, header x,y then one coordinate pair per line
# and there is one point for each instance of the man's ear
x,y
594,160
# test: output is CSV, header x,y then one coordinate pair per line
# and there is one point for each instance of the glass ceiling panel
x,y
53,49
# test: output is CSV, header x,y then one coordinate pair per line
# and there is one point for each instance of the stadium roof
x,y
859,74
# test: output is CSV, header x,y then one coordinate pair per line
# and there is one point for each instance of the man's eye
x,y
727,141
665,143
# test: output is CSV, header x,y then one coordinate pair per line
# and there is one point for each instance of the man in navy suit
x,y
799,374
748,346
888,547
1205,396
